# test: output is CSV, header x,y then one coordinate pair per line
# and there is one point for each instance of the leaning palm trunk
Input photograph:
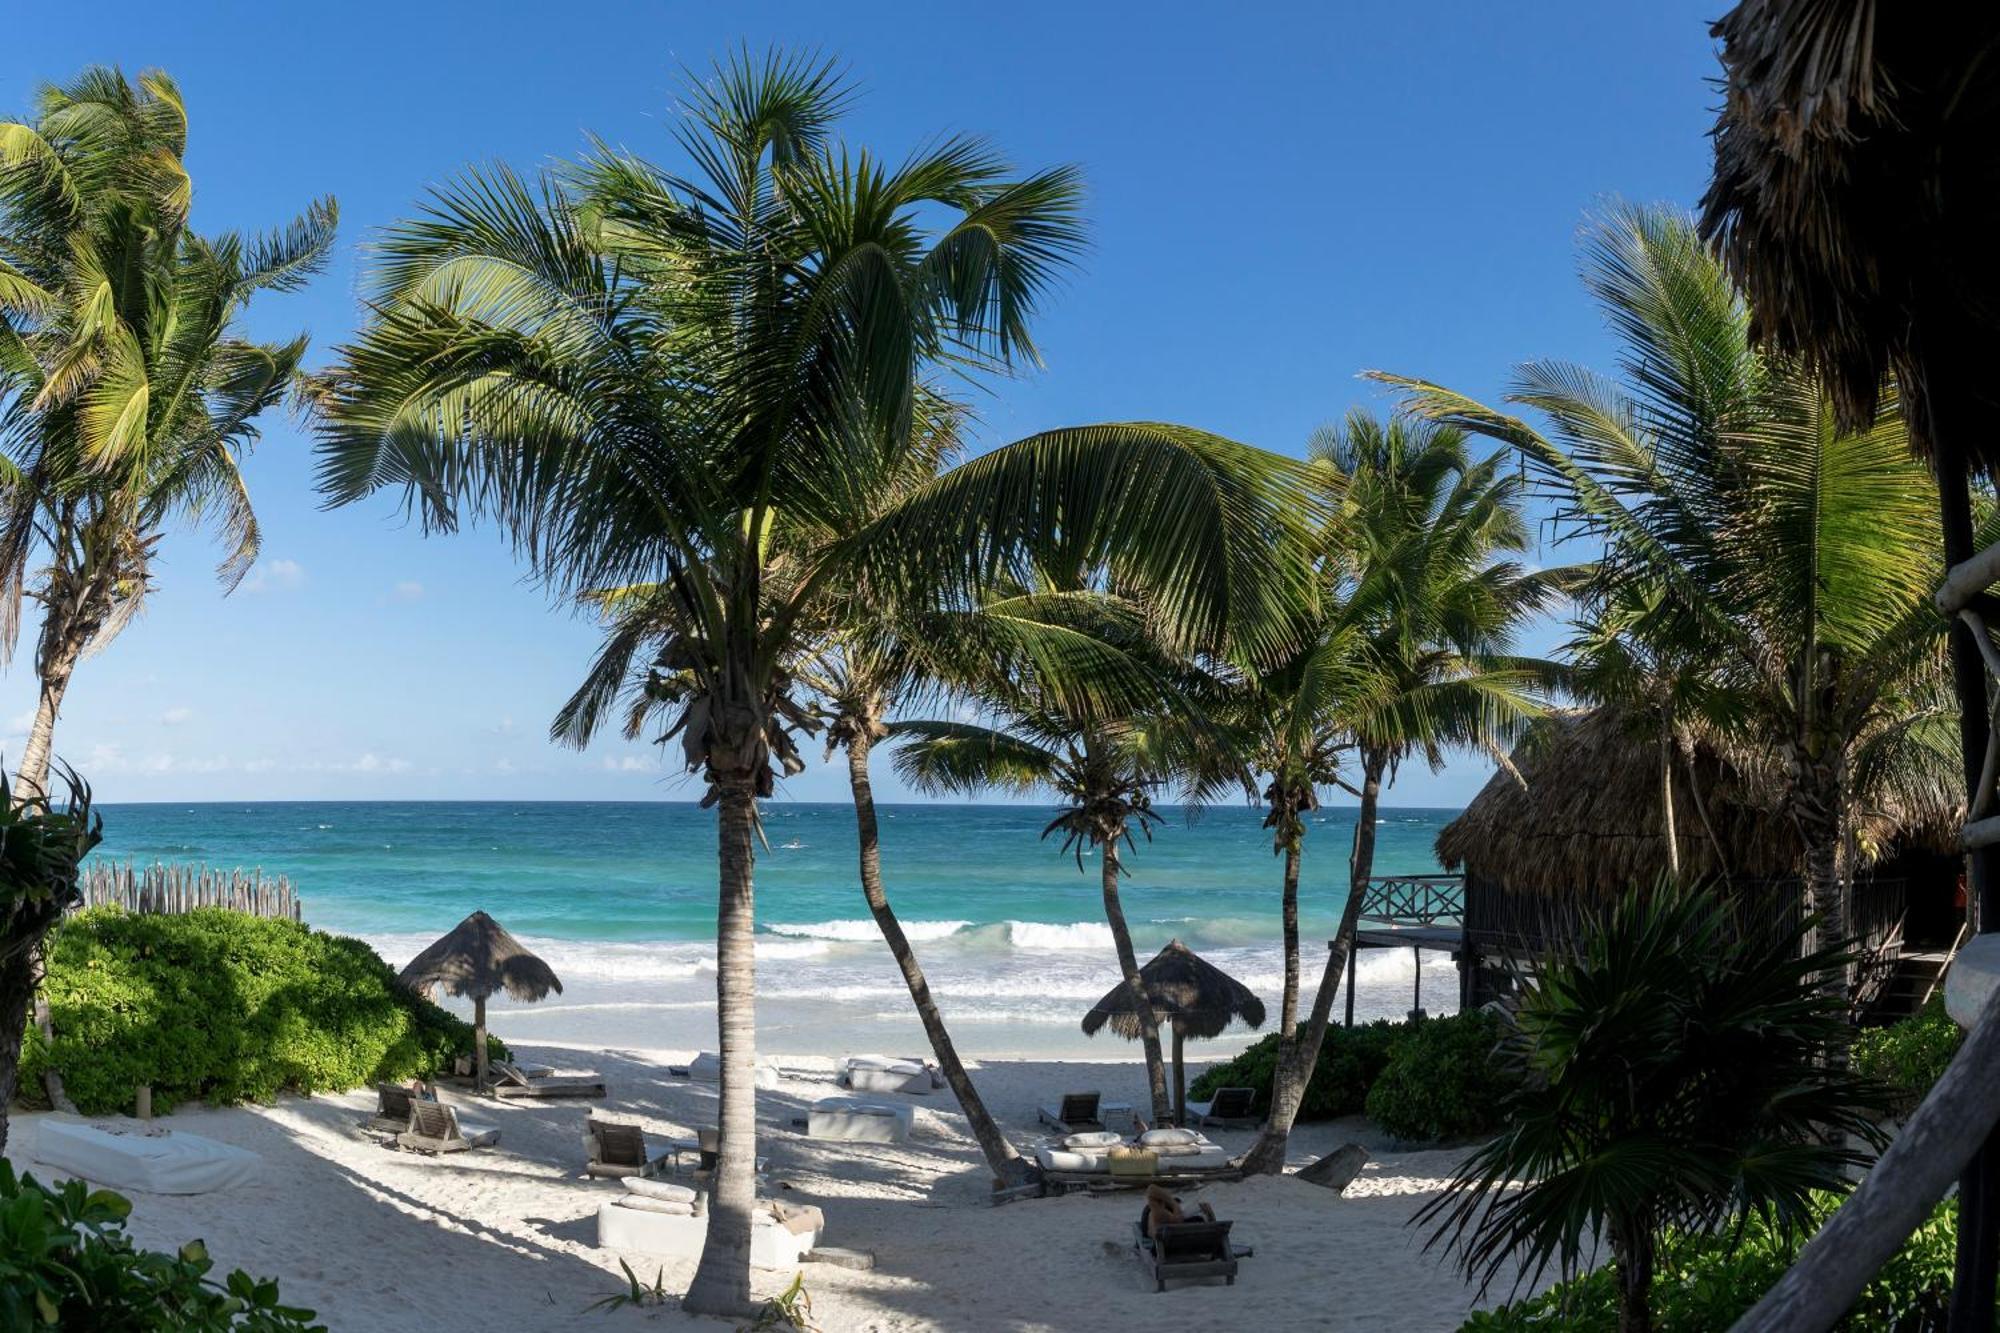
x,y
1288,1013
1009,1169
1295,1065
1142,1004
53,671
721,1282
1667,801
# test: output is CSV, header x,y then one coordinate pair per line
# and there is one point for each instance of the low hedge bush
x,y
67,1263
1442,1081
220,1006
1445,1084
1705,1283
1909,1056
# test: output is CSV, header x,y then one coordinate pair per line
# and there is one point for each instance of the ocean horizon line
x,y
215,802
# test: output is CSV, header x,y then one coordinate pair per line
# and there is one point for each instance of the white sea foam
x,y
1075,935
865,931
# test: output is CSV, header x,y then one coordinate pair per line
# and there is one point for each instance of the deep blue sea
x,y
620,899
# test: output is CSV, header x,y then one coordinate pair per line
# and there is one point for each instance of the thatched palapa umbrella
x,y
1197,997
479,958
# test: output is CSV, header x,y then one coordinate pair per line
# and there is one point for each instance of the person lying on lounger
x,y
1163,1209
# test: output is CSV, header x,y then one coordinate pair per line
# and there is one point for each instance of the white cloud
x,y
409,590
274,575
504,727
374,763
173,717
18,724
503,766
630,763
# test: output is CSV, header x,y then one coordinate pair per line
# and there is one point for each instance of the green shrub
x,y
1705,1283
66,1263
225,1007
1442,1081
1909,1056
1350,1060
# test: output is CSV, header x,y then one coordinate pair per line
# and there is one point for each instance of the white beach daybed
x,y
157,1160
886,1073
854,1120
1176,1152
668,1221
707,1068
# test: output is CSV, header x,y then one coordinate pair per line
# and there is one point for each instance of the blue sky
x,y
1280,197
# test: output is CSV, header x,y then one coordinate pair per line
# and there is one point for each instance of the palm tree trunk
x,y
1180,1075
17,984
1632,1258
1142,1004
1288,1012
53,683
721,1282
479,1043
1295,1065
1009,1169
1667,802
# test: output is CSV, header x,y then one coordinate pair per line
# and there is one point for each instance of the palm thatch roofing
x,y
1186,989
479,958
1857,174
1584,814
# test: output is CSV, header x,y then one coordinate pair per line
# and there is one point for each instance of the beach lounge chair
x,y
1077,1113
882,1073
392,1105
619,1150
707,1147
1230,1108
434,1128
856,1120
513,1081
1185,1250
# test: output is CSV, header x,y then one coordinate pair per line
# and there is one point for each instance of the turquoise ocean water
x,y
620,899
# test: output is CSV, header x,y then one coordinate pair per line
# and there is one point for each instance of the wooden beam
x,y
1967,579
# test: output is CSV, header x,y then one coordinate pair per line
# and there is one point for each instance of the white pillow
x,y
659,1189
1102,1138
1169,1138
647,1204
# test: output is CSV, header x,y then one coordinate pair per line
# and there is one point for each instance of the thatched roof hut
x,y
1584,816
1193,995
478,958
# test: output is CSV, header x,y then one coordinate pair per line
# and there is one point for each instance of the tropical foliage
x,y
128,391
219,1006
1674,1077
1442,1080
1765,573
686,394
1909,1056
66,1262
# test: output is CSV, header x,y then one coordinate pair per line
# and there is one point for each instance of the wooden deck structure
x,y
1414,912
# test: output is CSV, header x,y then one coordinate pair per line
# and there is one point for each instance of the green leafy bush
x,y
1705,1282
1442,1081
222,1006
1350,1060
67,1263
1908,1057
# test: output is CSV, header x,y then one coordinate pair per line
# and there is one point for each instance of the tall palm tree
x,y
1429,607
1794,557
127,391
700,383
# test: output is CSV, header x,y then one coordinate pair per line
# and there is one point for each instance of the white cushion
x,y
1096,1138
621,1226
856,1121
1169,1138
646,1203
659,1189
1063,1159
886,1062
707,1068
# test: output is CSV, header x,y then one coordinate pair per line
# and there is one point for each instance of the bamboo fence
x,y
183,888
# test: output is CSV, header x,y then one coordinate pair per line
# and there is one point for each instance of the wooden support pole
x,y
479,1043
1353,951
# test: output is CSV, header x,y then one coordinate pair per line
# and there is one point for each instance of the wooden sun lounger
x,y
1230,1108
392,1106
620,1150
1077,1114
434,1129
1186,1250
511,1081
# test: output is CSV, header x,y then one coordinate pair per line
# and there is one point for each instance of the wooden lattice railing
x,y
1422,900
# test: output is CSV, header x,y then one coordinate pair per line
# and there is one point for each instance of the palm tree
x,y
1672,1075
1792,557
701,384
127,391
1418,662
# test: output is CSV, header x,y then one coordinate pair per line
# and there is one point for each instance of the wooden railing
x,y
1421,900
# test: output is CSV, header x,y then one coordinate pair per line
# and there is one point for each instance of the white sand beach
x,y
381,1240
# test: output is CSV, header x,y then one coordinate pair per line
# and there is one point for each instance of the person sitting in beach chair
x,y
392,1104
1077,1113
1175,1244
